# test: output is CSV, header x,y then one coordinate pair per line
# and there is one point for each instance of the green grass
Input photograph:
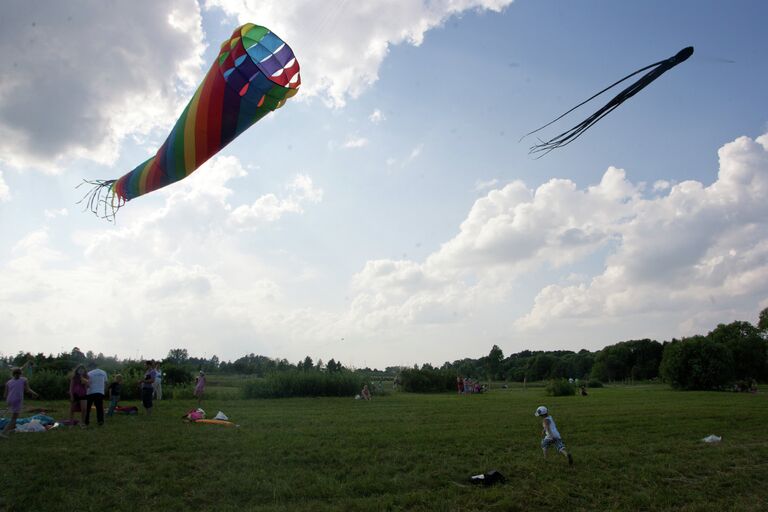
x,y
635,448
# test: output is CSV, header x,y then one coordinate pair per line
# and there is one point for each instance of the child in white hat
x,y
551,434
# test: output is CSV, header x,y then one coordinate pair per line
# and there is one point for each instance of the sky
x,y
389,214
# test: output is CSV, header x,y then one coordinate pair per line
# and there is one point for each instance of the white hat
x,y
541,411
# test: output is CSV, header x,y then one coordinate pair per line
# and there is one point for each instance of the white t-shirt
x,y
552,428
97,381
158,376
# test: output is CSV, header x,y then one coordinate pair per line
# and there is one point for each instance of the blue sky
x,y
390,203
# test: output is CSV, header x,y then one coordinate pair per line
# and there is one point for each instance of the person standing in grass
x,y
551,434
115,388
97,385
14,397
158,385
78,391
146,387
200,387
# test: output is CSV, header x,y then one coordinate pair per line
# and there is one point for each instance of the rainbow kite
x,y
254,74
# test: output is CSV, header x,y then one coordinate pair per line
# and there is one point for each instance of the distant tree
x,y
540,367
581,363
645,358
633,359
747,347
560,369
173,374
697,362
494,362
762,322
307,364
178,355
77,355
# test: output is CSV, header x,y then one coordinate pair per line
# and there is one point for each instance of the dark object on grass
x,y
492,477
127,409
568,136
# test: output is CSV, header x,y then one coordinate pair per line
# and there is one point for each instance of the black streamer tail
x,y
101,199
563,139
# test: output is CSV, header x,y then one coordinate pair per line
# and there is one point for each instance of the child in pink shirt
x,y
14,396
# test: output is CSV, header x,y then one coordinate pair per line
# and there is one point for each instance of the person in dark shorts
x,y
115,388
147,388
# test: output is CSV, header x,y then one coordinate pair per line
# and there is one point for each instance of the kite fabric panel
x,y
255,73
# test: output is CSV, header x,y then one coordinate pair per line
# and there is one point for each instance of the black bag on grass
x,y
492,477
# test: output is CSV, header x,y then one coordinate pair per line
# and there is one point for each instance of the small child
x,y
14,396
115,388
200,387
551,435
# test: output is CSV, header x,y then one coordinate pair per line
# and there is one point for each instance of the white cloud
x,y
674,262
485,185
340,46
86,97
270,208
52,214
80,76
355,142
177,274
377,117
184,273
5,191
414,154
697,249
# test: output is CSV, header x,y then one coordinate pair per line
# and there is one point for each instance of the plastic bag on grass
x,y
712,438
32,426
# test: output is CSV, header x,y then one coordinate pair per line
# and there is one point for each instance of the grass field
x,y
635,448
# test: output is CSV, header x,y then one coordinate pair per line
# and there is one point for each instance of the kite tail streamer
x,y
656,70
101,199
254,74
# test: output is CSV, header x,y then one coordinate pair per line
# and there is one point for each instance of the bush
x,y
187,392
311,383
50,385
132,378
174,374
560,388
592,383
427,380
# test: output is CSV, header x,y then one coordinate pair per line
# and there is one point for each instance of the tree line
x,y
734,353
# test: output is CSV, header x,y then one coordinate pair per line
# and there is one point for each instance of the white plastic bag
x,y
221,416
32,426
712,438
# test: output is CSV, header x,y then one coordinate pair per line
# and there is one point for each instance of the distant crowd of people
x,y
466,385
89,387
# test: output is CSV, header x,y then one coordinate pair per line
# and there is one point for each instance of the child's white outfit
x,y
552,437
